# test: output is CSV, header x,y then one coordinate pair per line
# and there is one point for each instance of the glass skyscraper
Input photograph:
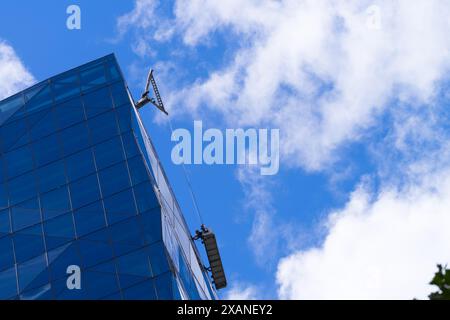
x,y
81,185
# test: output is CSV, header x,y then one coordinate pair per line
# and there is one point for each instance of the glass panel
x,y
108,153
126,236
93,77
120,206
33,273
112,71
75,138
18,161
51,176
69,113
103,127
39,101
59,231
89,219
9,106
138,171
6,253
65,86
151,225
163,285
124,116
13,135
145,197
46,150
22,188
8,286
42,293
97,102
4,222
133,268
25,214
131,148
94,252
120,95
28,243
158,258
84,191
80,165
55,203
3,196
100,284
142,291
114,179
44,127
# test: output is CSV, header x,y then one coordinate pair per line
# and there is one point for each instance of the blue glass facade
x,y
81,184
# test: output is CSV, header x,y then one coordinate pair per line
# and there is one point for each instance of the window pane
x,y
4,222
120,94
80,165
158,259
33,273
8,287
44,127
69,113
103,127
89,219
164,284
93,77
138,170
101,284
47,150
97,102
151,225
22,188
84,191
130,145
120,206
25,214
28,243
134,268
114,179
59,231
108,153
13,135
124,117
51,176
126,236
18,161
42,293
6,253
94,252
142,291
66,86
3,196
75,138
145,197
55,203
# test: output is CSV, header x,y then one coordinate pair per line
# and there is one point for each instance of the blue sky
x,y
357,90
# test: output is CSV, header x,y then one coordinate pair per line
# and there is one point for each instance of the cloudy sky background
x,y
358,89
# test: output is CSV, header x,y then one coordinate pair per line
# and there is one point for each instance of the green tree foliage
x,y
441,279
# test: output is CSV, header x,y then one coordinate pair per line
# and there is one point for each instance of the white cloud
x,y
239,292
383,248
316,69
13,74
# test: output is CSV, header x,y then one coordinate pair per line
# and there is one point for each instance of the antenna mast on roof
x,y
146,99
